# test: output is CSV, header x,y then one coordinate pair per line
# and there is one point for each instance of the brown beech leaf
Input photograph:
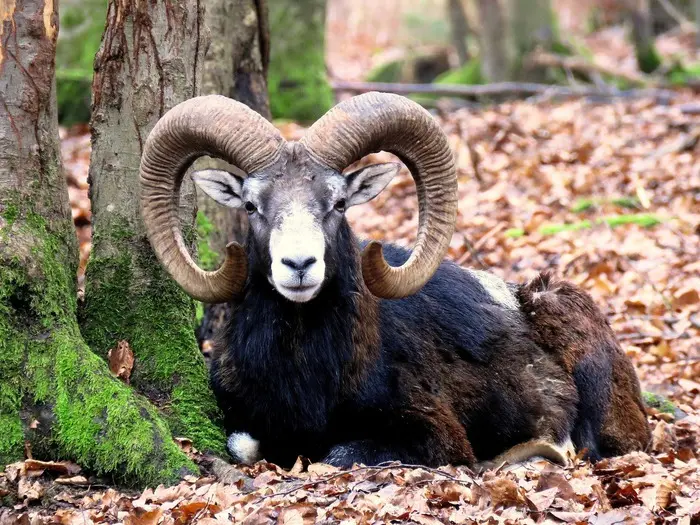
x,y
665,491
140,516
541,501
121,361
505,492
64,468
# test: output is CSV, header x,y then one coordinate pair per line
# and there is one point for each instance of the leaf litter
x,y
540,165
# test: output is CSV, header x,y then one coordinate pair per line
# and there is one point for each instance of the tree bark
x,y
459,29
150,59
297,78
530,25
495,59
56,395
642,23
235,65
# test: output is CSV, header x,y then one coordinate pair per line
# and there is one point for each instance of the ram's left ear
x,y
366,183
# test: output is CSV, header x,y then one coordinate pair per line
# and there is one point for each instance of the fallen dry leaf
x,y
121,361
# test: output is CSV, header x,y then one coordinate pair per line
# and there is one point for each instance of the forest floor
x,y
605,195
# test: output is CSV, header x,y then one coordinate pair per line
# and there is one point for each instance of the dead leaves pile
x,y
637,488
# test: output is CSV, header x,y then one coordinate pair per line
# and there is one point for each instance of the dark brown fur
x,y
569,326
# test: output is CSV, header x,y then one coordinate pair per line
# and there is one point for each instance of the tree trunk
x,y
531,25
459,29
299,88
495,59
696,9
642,23
150,59
56,395
235,65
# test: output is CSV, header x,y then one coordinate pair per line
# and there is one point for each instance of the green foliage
x,y
82,24
588,203
551,229
297,81
514,233
208,258
646,220
680,74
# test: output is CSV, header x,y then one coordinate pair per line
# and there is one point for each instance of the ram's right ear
x,y
222,186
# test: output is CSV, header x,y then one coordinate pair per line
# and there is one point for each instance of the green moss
x,y
208,258
10,212
469,73
658,402
101,422
648,59
388,72
130,297
48,374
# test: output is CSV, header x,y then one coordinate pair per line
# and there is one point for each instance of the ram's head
x,y
296,193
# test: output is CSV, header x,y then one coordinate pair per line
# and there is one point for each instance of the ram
x,y
348,352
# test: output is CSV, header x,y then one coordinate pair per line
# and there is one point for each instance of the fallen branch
x,y
496,89
582,65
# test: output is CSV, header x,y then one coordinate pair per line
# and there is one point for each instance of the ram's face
x,y
295,212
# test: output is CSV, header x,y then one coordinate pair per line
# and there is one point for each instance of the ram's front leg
x,y
432,439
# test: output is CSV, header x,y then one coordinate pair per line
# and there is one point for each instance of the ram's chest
x,y
284,389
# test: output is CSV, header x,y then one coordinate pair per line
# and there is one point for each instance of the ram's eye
x,y
340,205
250,207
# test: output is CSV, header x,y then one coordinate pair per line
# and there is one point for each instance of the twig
x,y
499,88
480,243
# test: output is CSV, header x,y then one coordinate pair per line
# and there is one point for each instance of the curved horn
x,y
380,121
211,125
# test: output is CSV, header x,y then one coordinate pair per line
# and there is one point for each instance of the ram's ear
x,y
366,183
222,186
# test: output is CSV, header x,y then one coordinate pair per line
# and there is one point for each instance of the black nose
x,y
299,264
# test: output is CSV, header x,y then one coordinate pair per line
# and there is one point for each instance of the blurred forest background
x,y
622,43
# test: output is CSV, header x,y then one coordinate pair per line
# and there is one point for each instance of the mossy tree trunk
x,y
235,65
55,393
149,60
642,27
299,88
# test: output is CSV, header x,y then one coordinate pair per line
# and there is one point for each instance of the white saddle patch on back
x,y
496,288
243,448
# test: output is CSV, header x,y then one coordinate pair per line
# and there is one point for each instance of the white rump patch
x,y
243,448
496,288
